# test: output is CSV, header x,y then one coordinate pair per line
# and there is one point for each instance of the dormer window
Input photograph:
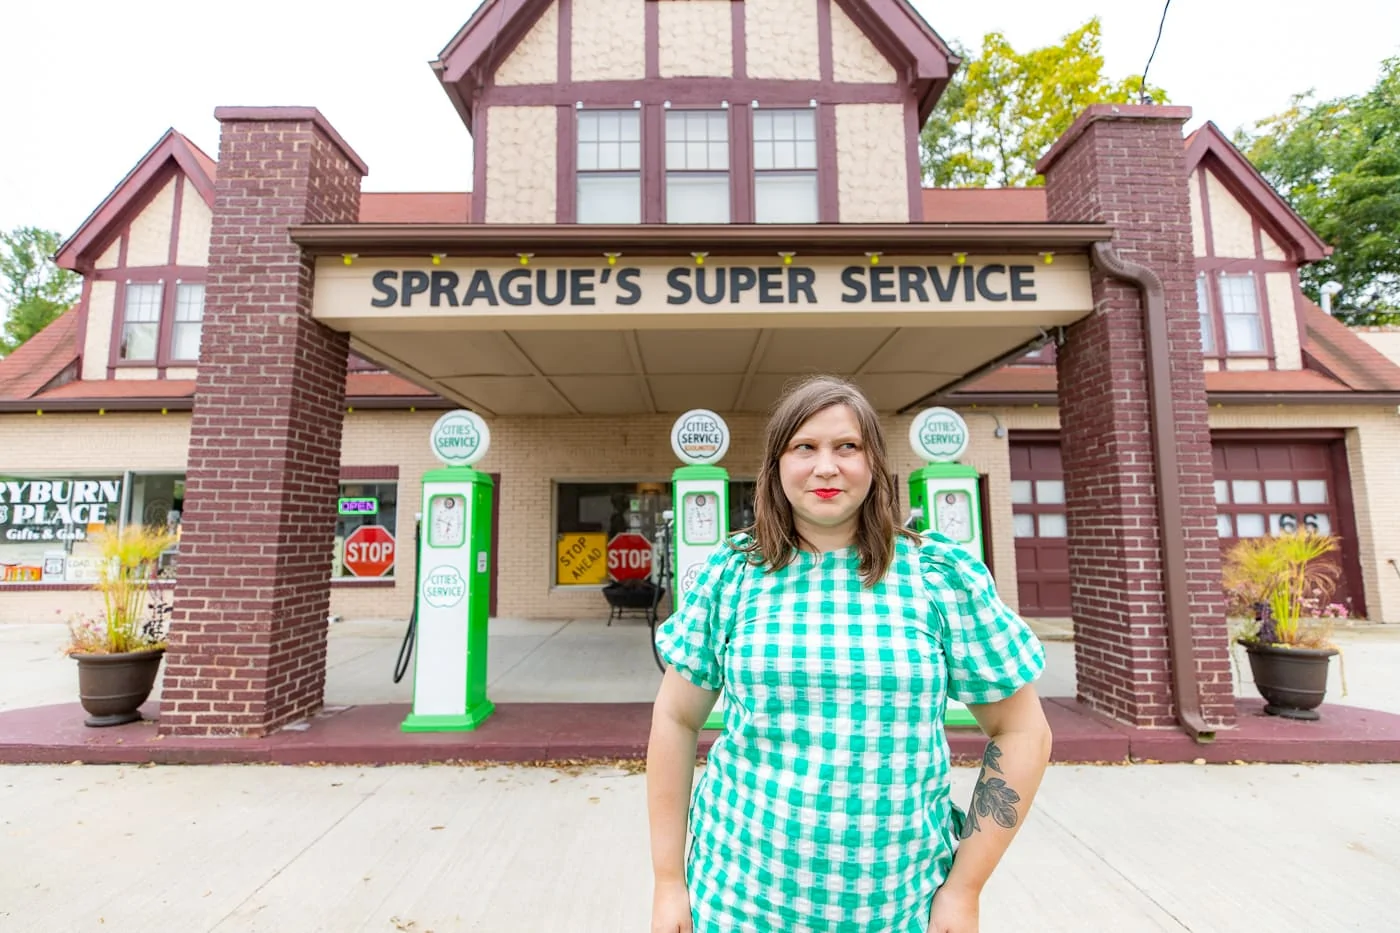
x,y
609,167
697,167
159,325
785,166
1239,306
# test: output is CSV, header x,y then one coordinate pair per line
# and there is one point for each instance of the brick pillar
x,y
1124,166
248,639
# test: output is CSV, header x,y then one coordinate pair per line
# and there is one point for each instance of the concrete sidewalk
x,y
439,849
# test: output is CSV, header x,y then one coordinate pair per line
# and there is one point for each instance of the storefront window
x,y
48,525
366,531
591,514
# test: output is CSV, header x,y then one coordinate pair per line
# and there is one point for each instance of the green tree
x,y
1004,109
1338,163
34,290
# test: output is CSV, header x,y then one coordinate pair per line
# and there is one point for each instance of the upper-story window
x,y
160,327
1239,306
1203,308
609,167
785,166
141,321
1232,322
697,167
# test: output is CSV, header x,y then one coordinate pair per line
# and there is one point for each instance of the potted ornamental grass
x,y
1282,586
119,651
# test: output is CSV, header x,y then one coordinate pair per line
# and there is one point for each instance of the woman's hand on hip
x,y
670,908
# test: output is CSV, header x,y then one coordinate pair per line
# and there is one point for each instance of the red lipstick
x,y
826,493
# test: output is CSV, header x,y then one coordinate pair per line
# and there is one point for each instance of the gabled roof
x,y
1254,192
417,207
94,233
493,31
41,359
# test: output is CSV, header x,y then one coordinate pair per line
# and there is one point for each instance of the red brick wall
x,y
248,640
1130,173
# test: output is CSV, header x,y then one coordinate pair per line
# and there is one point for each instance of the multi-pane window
x,y
609,167
1253,508
697,167
1239,307
189,322
141,321
1207,323
785,166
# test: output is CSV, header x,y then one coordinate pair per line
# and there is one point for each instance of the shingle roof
x,y
41,359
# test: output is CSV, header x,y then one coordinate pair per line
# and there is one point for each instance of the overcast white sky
x,y
90,85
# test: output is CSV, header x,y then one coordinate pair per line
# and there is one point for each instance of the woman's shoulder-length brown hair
x,y
774,541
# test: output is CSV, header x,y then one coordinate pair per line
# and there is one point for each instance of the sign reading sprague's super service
x,y
501,292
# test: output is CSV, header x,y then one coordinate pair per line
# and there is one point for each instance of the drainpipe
x,y
1186,685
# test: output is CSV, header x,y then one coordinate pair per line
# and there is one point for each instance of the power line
x,y
1142,86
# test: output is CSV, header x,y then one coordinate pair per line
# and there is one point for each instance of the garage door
x,y
1267,487
1038,514
1263,485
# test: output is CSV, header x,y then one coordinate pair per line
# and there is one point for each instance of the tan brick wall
x,y
870,163
608,44
854,57
695,39
521,190
97,344
535,60
1283,319
1373,450
195,220
148,242
781,39
1231,225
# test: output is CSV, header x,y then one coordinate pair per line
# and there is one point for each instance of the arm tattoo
x,y
991,797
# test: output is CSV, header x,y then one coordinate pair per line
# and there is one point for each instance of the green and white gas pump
x,y
700,499
943,493
944,497
449,678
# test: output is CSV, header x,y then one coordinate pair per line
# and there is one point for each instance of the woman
x,y
837,637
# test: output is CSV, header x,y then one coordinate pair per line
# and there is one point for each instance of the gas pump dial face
x,y
446,522
954,513
701,518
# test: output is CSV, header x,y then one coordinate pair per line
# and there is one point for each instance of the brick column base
x,y
1124,165
248,639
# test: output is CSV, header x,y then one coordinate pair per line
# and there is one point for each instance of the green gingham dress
x,y
825,805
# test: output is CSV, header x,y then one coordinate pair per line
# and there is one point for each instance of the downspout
x,y
1186,685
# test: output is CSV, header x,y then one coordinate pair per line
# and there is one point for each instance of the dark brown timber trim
x,y
681,239
1186,685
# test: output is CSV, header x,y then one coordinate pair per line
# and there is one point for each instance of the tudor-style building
x,y
1157,386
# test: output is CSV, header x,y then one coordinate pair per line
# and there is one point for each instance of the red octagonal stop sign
x,y
369,551
629,557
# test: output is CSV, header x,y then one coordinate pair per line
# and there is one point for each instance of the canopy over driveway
x,y
560,320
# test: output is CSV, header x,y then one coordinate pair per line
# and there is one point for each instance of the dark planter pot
x,y
112,687
1292,681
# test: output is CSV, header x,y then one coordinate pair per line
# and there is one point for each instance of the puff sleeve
x,y
692,639
991,652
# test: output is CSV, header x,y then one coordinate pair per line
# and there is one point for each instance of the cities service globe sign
x,y
939,435
460,438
